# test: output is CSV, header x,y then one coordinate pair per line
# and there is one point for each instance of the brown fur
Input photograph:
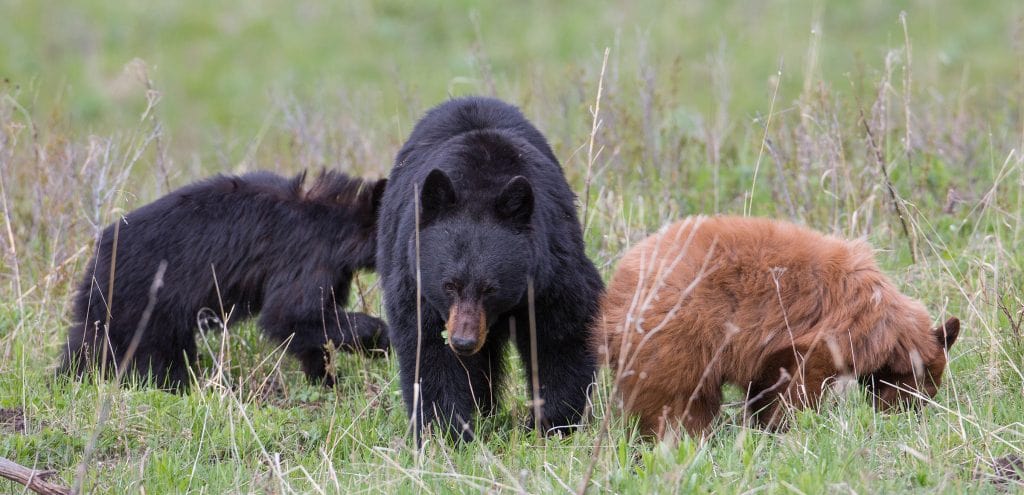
x,y
467,321
775,308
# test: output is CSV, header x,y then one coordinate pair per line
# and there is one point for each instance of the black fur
x,y
496,212
277,249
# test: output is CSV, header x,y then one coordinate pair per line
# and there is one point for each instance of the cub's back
x,y
703,280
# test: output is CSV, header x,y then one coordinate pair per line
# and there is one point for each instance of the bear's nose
x,y
464,345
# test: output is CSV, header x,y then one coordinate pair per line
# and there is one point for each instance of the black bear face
x,y
479,262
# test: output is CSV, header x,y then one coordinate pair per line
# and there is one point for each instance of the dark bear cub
x,y
477,209
240,245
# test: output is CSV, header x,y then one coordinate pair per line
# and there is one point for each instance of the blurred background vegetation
x,y
223,67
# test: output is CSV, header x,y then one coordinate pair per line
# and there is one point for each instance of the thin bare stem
x,y
764,140
416,406
10,241
907,146
594,125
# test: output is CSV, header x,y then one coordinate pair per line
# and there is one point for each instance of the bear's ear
x,y
515,202
438,195
947,333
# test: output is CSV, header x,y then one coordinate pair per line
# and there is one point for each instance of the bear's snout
x,y
467,327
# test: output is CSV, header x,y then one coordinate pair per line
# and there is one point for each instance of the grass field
x,y
849,117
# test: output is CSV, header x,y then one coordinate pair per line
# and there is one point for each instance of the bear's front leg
x,y
564,368
360,332
307,315
793,377
352,332
451,387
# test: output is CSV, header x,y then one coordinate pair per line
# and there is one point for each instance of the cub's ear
x,y
515,202
947,333
438,195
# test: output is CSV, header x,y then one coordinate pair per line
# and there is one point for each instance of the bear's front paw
x,y
366,334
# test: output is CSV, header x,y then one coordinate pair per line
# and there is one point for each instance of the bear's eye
x,y
450,287
489,289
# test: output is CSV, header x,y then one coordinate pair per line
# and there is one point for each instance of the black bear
x,y
256,243
495,215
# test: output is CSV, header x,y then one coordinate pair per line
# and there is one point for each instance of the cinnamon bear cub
x,y
256,243
776,309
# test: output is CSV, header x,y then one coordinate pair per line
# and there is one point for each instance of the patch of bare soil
x,y
1006,470
12,420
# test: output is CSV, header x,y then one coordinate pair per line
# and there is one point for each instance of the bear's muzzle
x,y
467,327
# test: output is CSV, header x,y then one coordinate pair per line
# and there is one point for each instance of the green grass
x,y
688,92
